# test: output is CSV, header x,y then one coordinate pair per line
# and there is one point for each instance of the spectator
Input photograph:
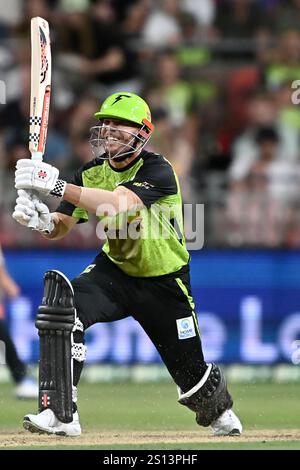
x,y
238,19
25,387
203,12
289,17
162,28
262,112
284,64
93,47
175,146
134,21
175,93
190,51
259,210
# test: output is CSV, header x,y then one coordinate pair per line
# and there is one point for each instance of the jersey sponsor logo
x,y
88,269
144,184
119,183
186,328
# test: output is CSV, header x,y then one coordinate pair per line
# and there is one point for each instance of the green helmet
x,y
127,106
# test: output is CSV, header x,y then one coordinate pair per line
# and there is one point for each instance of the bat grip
x,y
37,156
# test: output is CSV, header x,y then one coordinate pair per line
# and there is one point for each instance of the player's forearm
x,y
97,201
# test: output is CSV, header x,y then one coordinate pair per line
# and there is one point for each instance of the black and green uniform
x,y
145,275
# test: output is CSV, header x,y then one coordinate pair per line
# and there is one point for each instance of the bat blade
x,y
40,86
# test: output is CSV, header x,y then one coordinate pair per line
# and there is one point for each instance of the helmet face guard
x,y
131,109
104,136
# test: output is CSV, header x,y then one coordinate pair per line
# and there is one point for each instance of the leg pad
x,y
210,398
55,322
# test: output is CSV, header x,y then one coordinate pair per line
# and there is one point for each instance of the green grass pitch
x,y
147,416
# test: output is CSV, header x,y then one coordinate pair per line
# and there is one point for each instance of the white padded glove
x,y
38,176
32,212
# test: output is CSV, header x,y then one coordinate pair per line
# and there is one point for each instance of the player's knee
x,y
209,398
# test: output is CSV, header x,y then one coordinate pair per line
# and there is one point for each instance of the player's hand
x,y
32,212
38,176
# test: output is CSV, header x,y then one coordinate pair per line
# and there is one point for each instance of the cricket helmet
x,y
127,107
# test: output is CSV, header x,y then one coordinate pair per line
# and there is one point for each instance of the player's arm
x,y
7,284
63,224
112,61
100,200
151,183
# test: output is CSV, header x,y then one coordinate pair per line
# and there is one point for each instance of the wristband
x,y
59,189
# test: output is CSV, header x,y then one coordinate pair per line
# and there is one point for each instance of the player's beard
x,y
112,144
115,148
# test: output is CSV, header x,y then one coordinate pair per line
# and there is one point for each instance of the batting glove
x,y
32,212
39,176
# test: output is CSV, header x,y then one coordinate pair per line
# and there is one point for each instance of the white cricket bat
x,y
40,86
40,91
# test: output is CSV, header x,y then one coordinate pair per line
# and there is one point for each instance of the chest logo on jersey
x,y
186,327
144,184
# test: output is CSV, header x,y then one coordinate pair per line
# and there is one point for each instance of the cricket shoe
x,y
47,423
228,424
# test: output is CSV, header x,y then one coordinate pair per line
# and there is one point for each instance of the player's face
x,y
117,139
117,135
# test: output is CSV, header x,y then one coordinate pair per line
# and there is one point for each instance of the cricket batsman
x,y
140,271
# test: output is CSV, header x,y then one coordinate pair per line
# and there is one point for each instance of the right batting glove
x,y
39,176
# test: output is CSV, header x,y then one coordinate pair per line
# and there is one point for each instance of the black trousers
x,y
162,305
16,366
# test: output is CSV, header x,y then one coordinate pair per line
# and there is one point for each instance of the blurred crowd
x,y
220,77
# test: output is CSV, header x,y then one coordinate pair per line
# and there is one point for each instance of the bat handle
x,y
37,156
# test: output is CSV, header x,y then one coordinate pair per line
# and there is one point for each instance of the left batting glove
x,y
39,176
32,212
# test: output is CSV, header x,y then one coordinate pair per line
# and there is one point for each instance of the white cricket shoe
x,y
26,389
47,423
228,424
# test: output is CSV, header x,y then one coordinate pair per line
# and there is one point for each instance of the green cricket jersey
x,y
145,243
